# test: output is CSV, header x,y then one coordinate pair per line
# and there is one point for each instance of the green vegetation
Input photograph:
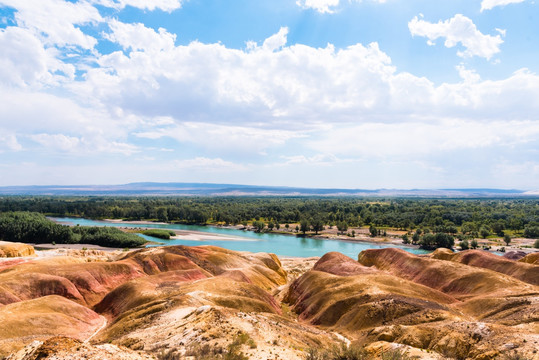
x,y
352,352
159,233
531,231
465,218
207,352
31,227
438,240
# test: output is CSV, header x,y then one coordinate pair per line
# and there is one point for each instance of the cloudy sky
x,y
313,93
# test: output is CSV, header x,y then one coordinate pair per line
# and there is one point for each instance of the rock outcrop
x,y
11,249
532,258
42,318
181,302
483,259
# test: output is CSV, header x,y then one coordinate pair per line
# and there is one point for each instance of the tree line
x,y
32,227
480,217
465,217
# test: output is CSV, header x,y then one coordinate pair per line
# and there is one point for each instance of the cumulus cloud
x,y
268,101
54,21
490,4
222,137
83,145
325,6
322,6
138,37
207,165
165,5
9,142
405,140
277,41
458,29
290,87
25,62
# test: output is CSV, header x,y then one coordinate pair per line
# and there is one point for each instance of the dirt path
x,y
105,322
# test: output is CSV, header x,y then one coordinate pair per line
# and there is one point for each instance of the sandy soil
x,y
393,237
73,247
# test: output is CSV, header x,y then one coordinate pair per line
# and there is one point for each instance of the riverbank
x,y
361,236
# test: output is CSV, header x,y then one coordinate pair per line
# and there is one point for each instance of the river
x,y
284,245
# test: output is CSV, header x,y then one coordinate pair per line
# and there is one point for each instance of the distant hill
x,y
204,189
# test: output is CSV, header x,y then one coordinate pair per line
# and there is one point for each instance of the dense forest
x,y
466,217
33,227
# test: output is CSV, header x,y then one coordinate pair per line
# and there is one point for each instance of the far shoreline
x,y
193,235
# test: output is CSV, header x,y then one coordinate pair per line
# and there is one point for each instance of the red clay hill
x,y
186,302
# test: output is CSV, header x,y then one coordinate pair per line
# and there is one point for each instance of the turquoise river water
x,y
284,245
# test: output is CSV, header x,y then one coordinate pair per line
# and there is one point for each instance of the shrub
x,y
395,354
159,233
434,241
342,352
531,231
405,239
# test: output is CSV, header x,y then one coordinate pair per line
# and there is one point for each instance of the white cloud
x,y
25,62
458,29
8,142
82,145
54,21
57,141
222,137
264,102
322,6
165,5
423,139
138,37
207,165
316,160
325,6
276,41
490,4
291,88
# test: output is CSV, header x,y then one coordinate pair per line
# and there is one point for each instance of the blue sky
x,y
313,93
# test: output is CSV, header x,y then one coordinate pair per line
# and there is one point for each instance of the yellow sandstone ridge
x,y
11,249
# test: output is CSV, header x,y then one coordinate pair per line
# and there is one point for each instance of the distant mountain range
x,y
202,189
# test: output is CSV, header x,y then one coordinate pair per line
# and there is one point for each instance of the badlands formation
x,y
206,302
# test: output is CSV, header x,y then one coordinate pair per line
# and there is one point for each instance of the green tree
x,y
162,214
416,237
304,226
464,245
342,226
506,239
373,231
259,225
531,232
317,225
498,227
474,244
405,239
439,240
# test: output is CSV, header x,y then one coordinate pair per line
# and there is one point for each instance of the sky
x,y
363,94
